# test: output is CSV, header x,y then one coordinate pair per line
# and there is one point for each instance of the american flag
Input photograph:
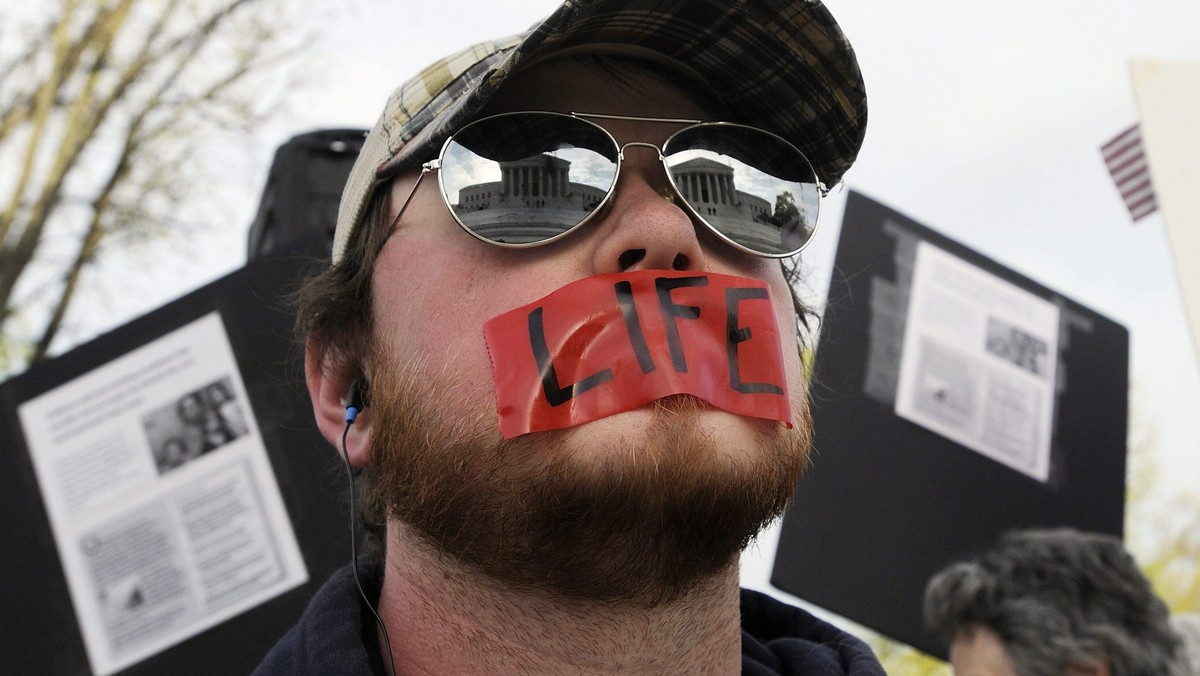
x,y
1126,161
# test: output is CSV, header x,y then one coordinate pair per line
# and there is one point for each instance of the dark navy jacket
x,y
336,635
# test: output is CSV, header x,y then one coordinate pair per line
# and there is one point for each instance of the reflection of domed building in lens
x,y
708,186
533,200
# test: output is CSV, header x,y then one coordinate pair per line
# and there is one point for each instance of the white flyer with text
x,y
165,510
978,361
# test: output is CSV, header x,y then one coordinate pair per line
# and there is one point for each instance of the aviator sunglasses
x,y
524,179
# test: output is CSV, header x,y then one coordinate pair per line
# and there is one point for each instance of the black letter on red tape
x,y
554,394
740,334
670,311
633,326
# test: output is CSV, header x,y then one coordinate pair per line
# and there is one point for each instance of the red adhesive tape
x,y
613,343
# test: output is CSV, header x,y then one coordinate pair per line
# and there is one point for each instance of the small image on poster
x,y
978,362
196,423
165,510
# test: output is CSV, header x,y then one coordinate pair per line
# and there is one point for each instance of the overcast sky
x,y
985,124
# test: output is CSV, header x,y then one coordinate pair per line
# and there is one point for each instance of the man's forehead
x,y
980,652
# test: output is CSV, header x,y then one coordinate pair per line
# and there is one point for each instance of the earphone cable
x,y
387,644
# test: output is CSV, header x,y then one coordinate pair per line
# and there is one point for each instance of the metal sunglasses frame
x,y
435,165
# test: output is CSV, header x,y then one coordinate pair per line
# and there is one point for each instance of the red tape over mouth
x,y
613,343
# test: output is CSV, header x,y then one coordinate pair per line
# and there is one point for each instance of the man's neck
x,y
442,618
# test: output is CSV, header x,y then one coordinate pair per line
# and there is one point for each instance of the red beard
x,y
640,523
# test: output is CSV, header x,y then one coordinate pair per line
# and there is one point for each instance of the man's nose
x,y
645,227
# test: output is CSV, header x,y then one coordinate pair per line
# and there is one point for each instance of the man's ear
x,y
329,387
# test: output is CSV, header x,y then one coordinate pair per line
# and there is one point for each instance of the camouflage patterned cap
x,y
781,65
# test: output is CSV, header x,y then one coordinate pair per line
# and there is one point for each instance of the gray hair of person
x,y
1187,624
1055,598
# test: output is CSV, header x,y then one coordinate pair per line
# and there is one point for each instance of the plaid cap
x,y
781,65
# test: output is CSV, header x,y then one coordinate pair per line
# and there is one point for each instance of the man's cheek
x,y
612,343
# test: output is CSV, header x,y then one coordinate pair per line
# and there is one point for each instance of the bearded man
x,y
571,364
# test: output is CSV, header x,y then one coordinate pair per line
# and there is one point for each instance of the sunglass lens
x,y
527,178
753,187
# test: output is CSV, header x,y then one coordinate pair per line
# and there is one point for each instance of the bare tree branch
x,y
21,106
43,101
80,126
91,117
